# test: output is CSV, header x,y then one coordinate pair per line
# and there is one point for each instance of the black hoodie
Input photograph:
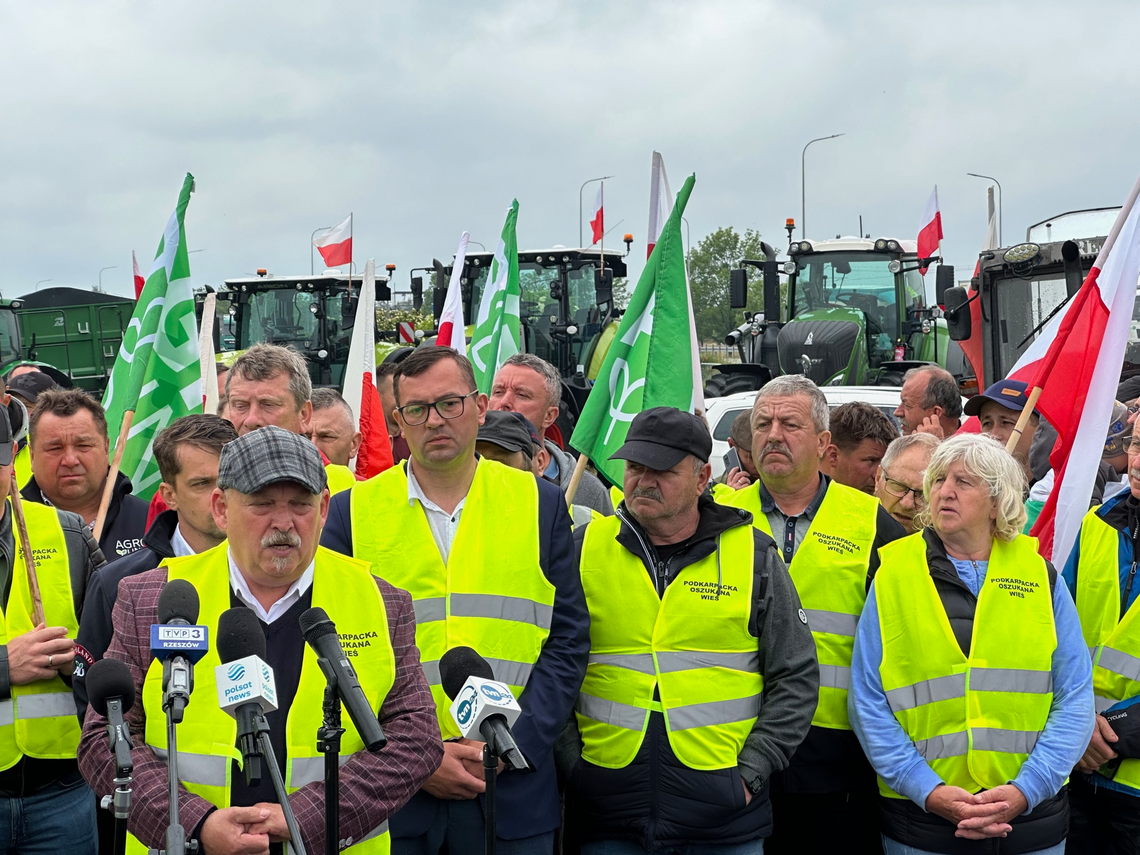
x,y
126,517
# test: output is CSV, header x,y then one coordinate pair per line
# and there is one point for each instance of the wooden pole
x,y
1023,419
576,479
21,527
112,475
206,361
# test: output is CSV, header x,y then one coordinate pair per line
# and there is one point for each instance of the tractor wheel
x,y
719,385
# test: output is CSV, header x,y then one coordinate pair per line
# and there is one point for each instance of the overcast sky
x,y
425,119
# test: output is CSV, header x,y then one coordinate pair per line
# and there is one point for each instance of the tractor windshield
x,y
289,317
9,337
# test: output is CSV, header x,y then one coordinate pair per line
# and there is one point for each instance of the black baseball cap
x,y
30,384
510,431
7,447
662,437
1011,394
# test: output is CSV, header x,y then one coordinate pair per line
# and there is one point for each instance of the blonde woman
x,y
971,686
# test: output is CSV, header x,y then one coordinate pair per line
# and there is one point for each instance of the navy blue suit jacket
x,y
527,803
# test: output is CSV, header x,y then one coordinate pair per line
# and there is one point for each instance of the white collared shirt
x,y
179,545
287,601
442,524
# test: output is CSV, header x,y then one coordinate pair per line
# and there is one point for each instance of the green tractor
x,y
853,313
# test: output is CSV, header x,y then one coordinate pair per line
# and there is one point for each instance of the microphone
x,y
320,633
111,690
481,704
178,643
246,689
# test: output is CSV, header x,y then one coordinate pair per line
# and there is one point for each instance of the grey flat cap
x,y
270,455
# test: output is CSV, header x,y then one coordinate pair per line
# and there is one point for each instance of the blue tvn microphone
x,y
177,642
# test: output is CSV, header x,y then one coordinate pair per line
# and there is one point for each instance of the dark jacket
x,y
903,820
126,517
95,629
527,804
657,801
83,559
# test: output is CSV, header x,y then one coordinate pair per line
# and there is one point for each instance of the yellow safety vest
x,y
22,466
39,719
830,573
492,594
975,718
1113,642
345,588
692,647
616,496
341,478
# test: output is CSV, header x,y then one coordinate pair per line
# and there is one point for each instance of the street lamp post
x,y
112,267
803,185
313,235
41,282
580,189
995,181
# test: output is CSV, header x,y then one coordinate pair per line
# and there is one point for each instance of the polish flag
x,y
660,206
375,454
139,281
1076,362
335,244
451,327
597,221
930,229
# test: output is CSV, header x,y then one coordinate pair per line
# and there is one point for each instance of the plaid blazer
x,y
373,786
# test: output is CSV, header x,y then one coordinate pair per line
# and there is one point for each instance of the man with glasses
x,y
899,485
487,555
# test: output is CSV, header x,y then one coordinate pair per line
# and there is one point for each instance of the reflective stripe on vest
x,y
346,589
691,648
39,720
340,478
973,719
491,595
1113,643
829,570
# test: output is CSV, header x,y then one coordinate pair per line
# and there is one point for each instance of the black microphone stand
x,y
490,776
120,802
328,743
261,727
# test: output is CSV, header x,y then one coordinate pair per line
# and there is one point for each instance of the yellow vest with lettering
x,y
692,647
974,719
39,719
491,595
343,587
829,570
341,478
1113,641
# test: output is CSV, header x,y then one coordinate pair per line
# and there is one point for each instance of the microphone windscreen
x,y
239,635
107,679
179,599
315,623
457,665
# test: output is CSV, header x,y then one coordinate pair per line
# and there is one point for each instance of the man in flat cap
x,y
693,618
272,500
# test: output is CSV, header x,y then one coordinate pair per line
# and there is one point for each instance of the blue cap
x,y
1011,394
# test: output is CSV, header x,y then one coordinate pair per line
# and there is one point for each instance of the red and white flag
x,y
335,244
660,206
1076,361
930,229
452,331
375,454
139,280
598,220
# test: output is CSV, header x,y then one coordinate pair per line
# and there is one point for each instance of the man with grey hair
x,y
829,535
531,386
899,483
930,402
269,385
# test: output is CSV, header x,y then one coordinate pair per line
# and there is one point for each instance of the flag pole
x,y
29,558
112,474
206,359
576,479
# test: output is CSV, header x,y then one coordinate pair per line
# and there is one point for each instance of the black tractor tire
x,y
720,384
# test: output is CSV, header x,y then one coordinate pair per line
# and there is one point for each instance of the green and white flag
x,y
157,374
496,335
650,362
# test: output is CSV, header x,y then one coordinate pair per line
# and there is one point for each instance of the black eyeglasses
x,y
450,407
899,490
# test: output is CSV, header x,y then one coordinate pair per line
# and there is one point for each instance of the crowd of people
x,y
849,645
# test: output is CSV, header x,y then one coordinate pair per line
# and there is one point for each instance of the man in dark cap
x,y
508,438
693,618
271,500
23,391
